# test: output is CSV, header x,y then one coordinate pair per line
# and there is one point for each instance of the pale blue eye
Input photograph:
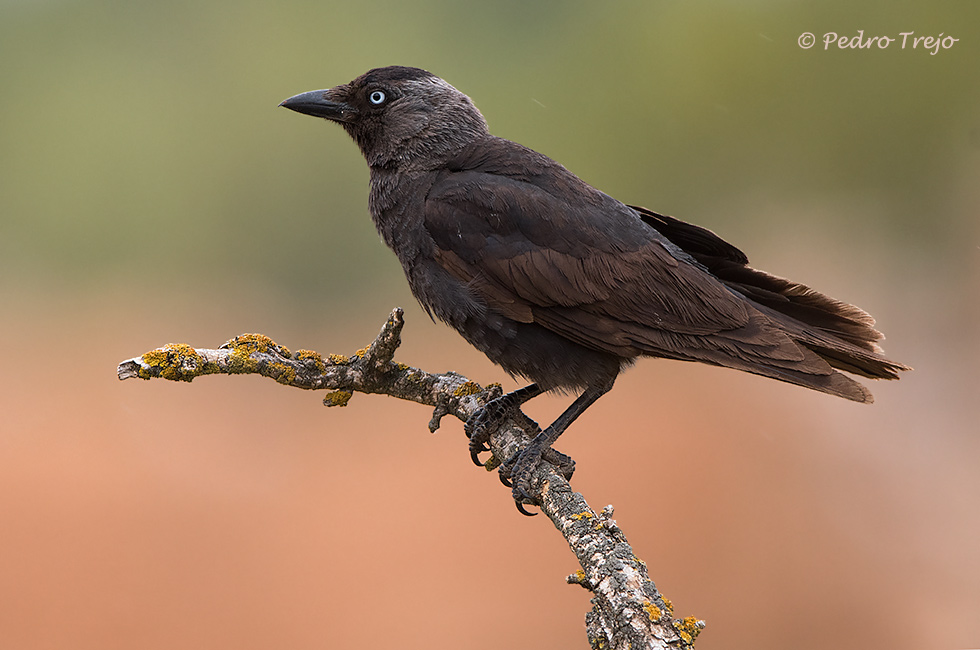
x,y
377,97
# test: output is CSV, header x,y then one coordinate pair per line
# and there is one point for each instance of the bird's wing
x,y
579,263
538,245
702,244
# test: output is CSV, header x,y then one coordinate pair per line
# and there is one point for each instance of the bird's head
x,y
403,117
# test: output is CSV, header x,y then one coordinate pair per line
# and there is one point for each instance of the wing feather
x,y
525,251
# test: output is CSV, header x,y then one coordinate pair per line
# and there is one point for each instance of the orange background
x,y
234,512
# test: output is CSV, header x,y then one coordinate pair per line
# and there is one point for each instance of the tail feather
x,y
801,303
834,383
810,369
842,335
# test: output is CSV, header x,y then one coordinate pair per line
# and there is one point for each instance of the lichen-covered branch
x,y
628,611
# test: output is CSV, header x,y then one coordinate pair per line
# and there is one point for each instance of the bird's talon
x,y
520,508
477,446
524,494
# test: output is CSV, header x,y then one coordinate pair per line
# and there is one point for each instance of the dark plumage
x,y
560,283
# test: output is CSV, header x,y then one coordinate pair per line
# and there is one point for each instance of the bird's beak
x,y
315,103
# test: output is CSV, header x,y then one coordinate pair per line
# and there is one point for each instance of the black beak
x,y
316,104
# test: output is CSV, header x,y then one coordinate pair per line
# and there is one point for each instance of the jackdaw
x,y
562,284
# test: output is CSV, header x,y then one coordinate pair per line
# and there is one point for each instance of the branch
x,y
628,611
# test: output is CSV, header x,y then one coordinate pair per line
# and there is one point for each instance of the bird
x,y
561,284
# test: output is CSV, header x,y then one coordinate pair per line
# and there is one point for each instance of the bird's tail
x,y
840,334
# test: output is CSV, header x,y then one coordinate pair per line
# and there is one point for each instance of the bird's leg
x,y
520,467
488,417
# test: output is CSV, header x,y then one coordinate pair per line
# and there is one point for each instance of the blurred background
x,y
152,192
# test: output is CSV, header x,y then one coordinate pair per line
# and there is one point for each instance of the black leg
x,y
523,463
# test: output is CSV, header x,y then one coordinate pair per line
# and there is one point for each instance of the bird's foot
x,y
486,420
517,472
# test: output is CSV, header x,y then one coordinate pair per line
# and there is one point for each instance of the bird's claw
x,y
475,455
516,474
484,421
564,462
520,509
517,471
476,444
478,430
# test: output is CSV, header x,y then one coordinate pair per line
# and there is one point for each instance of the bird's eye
x,y
377,97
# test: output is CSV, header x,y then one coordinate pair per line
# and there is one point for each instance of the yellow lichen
x,y
361,352
468,388
652,611
582,515
176,362
240,360
309,356
256,343
413,375
689,629
281,372
155,359
338,359
670,605
337,398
